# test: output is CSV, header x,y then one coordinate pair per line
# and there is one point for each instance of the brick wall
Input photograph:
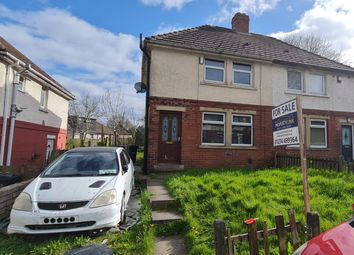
x,y
8,195
262,153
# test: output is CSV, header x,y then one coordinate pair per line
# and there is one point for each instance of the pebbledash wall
x,y
34,125
177,80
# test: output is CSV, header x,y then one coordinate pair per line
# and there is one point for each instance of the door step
x,y
168,167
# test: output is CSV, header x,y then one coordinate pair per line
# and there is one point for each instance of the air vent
x,y
97,184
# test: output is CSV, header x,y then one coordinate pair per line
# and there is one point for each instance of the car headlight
x,y
23,202
106,198
300,249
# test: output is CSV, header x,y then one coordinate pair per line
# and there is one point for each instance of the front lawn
x,y
236,195
136,241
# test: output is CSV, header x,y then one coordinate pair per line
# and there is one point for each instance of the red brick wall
x,y
30,139
193,156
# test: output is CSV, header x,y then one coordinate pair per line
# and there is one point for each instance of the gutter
x,y
147,103
54,86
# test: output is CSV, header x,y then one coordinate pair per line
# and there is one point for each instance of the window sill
x,y
203,146
319,149
291,92
225,85
43,110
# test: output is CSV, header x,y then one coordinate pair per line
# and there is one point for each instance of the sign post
x,y
303,157
288,130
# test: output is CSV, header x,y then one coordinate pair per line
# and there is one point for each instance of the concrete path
x,y
171,245
163,212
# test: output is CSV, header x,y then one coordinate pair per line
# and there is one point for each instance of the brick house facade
x,y
212,91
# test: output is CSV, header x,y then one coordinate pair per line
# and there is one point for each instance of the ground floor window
x,y
318,133
213,128
242,130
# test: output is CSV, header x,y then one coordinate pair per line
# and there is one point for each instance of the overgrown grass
x,y
236,195
139,158
136,241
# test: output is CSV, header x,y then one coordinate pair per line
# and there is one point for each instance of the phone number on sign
x,y
287,140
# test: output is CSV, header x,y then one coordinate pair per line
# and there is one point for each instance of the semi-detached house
x,y
33,111
212,89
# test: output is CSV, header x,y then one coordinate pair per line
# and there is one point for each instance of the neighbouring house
x,y
97,134
212,89
33,111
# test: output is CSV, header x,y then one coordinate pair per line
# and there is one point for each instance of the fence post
x,y
282,235
294,231
340,163
313,223
220,233
266,238
252,236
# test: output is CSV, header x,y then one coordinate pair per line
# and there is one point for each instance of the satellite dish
x,y
140,87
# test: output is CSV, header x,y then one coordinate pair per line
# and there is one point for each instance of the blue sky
x,y
90,45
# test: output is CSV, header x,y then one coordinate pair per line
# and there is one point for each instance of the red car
x,y
336,241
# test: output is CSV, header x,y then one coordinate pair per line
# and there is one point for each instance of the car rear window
x,y
83,164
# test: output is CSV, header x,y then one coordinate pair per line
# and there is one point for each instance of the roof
x,y
106,130
220,40
5,46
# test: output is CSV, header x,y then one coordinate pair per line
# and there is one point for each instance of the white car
x,y
84,189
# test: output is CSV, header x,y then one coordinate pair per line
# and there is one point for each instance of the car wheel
x,y
122,211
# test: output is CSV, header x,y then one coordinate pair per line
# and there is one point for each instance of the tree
x,y
114,111
83,114
315,44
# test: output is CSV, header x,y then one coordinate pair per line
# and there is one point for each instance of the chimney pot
x,y
240,22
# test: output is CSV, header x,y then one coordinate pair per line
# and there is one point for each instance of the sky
x,y
92,46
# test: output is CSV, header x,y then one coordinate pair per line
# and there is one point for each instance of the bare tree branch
x,y
315,44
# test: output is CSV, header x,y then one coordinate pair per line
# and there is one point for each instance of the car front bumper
x,y
81,219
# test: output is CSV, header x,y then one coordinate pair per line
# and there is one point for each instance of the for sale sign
x,y
285,125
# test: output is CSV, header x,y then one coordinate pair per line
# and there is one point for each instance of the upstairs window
x,y
214,70
21,84
242,131
318,133
213,128
294,80
316,84
44,99
242,74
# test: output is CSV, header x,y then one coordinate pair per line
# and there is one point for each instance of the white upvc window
x,y
316,84
21,84
214,70
318,133
213,130
242,74
295,80
44,99
242,130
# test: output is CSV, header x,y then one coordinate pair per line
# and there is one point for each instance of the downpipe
x,y
13,113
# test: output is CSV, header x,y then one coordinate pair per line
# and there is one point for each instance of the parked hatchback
x,y
84,189
336,241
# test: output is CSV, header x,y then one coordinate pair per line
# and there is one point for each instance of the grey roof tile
x,y
222,40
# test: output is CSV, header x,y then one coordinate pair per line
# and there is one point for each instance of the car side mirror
x,y
125,168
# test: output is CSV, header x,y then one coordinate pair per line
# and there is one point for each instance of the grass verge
x,y
236,195
136,241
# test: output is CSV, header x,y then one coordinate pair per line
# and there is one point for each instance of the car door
x,y
130,173
125,175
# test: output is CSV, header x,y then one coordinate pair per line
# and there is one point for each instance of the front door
x,y
170,137
347,142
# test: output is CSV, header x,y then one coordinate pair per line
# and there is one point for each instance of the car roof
x,y
96,149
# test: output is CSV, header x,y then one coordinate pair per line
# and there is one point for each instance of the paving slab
x,y
162,217
172,245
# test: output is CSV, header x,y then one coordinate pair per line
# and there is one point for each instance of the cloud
x,y
168,4
229,7
80,55
165,28
331,19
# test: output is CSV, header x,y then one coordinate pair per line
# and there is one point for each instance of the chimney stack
x,y
240,23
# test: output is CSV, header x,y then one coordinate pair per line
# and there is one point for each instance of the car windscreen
x,y
83,164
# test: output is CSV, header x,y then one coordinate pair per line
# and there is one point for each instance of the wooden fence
x,y
225,243
284,160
